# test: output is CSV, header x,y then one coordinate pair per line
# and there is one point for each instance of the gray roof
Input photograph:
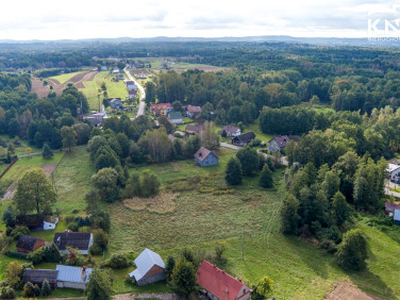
x,y
144,262
175,115
78,240
73,274
37,276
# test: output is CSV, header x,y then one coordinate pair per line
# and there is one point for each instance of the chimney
x,y
83,277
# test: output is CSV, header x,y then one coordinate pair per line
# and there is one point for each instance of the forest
x,y
343,103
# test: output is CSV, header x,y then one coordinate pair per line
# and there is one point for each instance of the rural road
x,y
284,160
142,103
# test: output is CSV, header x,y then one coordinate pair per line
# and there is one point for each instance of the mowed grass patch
x,y
114,89
73,180
255,127
24,164
63,78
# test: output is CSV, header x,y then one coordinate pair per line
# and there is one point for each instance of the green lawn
x,y
255,127
72,180
114,89
24,164
63,78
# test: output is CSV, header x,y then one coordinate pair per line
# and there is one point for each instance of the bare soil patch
x,y
348,291
77,77
162,203
79,85
39,89
48,169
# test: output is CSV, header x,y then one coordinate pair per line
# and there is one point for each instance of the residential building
x,y
394,171
78,240
37,222
390,208
191,129
230,130
150,268
96,119
72,277
220,285
279,143
193,111
131,85
204,157
132,94
27,243
175,117
243,139
103,68
36,276
115,103
160,109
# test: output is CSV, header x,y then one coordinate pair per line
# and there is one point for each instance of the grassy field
x,y
24,164
114,89
72,180
63,78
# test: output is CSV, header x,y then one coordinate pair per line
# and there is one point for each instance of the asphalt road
x,y
142,103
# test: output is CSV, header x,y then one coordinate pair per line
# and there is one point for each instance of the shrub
x,y
352,252
118,261
46,289
95,250
100,238
18,231
73,226
37,256
30,290
15,254
7,293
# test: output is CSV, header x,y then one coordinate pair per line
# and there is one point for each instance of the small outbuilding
x,y
27,243
72,277
204,157
78,240
37,222
150,268
36,276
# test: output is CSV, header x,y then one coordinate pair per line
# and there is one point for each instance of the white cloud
x,y
43,19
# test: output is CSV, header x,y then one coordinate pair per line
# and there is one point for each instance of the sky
x,y
72,19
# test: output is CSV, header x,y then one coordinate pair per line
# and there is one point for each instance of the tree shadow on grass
x,y
310,255
371,283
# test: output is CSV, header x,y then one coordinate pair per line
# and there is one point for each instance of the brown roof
x,y
230,129
284,139
28,242
195,128
78,240
391,206
193,109
37,276
202,153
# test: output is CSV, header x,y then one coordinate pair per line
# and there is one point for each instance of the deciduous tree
x,y
99,286
34,192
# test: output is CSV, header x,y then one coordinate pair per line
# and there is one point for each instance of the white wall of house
x,y
397,214
71,285
50,226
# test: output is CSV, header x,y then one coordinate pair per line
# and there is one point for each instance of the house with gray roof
x,y
175,117
72,277
204,157
78,240
150,268
279,143
36,276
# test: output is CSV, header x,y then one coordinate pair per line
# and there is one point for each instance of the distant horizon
x,y
78,20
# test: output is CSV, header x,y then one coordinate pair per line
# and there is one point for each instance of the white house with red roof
x,y
220,285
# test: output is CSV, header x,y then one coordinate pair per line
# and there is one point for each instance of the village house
x,y
193,111
37,222
103,68
243,139
132,94
115,103
218,284
36,276
27,243
204,157
175,117
192,129
160,109
72,277
230,130
150,268
390,208
131,85
120,76
279,143
393,171
77,240
96,119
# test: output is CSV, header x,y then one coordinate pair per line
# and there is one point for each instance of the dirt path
x,y
146,296
348,291
48,169
9,194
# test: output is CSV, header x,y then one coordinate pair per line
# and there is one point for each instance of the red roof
x,y
219,283
160,105
193,109
391,206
